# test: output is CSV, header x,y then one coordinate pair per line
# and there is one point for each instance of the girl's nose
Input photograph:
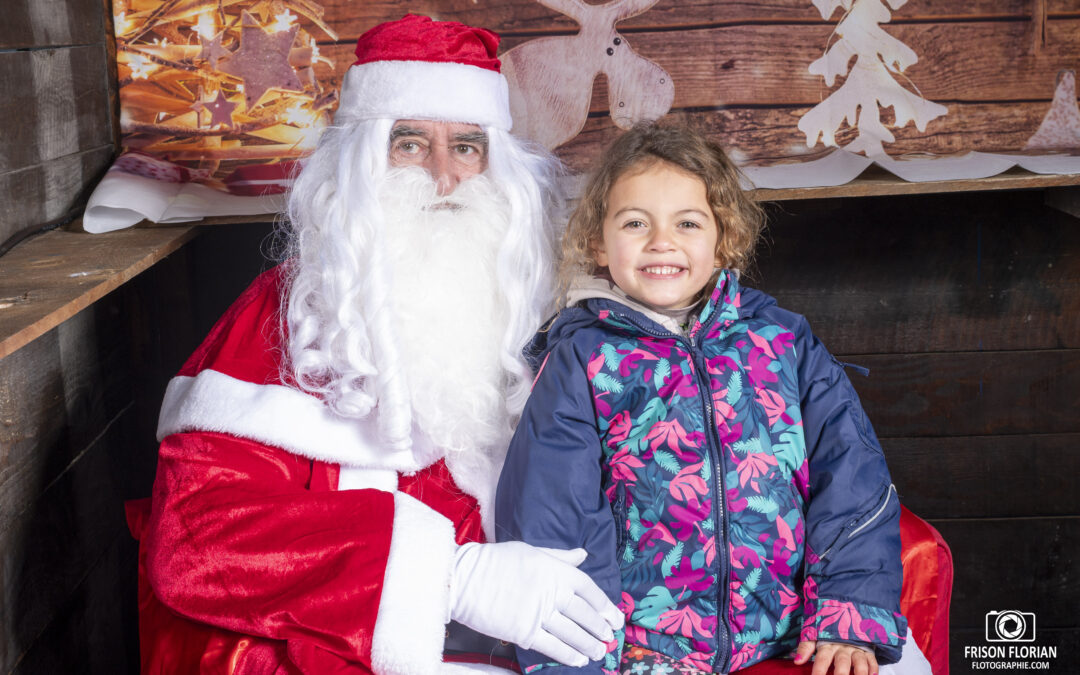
x,y
660,240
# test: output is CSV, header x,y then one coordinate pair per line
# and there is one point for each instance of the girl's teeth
x,y
662,270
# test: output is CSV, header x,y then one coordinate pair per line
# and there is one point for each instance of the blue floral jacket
x,y
727,485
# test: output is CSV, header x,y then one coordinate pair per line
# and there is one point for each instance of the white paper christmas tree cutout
x,y
1060,129
551,78
870,83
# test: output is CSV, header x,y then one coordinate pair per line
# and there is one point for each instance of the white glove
x,y
534,597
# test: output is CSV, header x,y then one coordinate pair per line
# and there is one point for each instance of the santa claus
x,y
329,454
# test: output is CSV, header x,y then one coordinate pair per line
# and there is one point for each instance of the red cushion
x,y
928,578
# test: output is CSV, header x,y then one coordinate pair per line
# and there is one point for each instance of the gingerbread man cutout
x,y
551,78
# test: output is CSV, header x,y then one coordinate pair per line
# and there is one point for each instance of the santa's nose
x,y
446,173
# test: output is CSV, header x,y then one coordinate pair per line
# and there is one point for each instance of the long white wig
x,y
340,344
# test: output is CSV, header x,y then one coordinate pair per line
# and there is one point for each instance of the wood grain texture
x,y
952,477
769,135
56,397
48,23
936,273
875,182
58,106
740,65
113,87
44,192
31,391
517,17
48,547
971,393
50,278
1021,563
96,632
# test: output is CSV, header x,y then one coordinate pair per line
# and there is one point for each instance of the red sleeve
x,y
237,540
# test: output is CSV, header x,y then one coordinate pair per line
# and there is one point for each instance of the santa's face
x,y
450,152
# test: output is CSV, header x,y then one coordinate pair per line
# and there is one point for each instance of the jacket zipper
x,y
870,521
712,448
620,520
888,498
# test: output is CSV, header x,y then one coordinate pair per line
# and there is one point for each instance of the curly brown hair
x,y
739,218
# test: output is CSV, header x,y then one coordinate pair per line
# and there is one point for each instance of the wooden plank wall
x,y
79,408
966,310
740,68
56,111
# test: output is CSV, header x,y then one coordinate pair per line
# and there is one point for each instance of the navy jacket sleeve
x,y
550,492
853,567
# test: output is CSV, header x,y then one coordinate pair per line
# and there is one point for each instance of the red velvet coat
x,y
281,539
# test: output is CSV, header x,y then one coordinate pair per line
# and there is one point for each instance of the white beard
x,y
448,314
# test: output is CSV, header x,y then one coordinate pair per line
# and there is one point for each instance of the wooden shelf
x,y
50,278
876,181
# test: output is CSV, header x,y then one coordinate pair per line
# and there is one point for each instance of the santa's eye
x,y
408,147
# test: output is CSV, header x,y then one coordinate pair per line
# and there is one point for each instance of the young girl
x,y
753,511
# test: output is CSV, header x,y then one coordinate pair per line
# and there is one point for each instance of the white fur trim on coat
x,y
449,92
292,420
414,608
277,415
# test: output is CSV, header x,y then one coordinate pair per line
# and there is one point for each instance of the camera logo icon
x,y
1010,625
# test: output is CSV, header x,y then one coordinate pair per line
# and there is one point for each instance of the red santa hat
x,y
416,68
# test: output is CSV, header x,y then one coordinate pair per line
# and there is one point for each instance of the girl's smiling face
x,y
659,236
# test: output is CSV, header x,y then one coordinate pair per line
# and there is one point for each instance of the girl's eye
x,y
689,224
634,225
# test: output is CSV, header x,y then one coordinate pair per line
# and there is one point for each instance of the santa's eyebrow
x,y
399,131
477,137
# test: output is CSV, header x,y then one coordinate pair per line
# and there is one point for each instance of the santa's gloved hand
x,y
534,597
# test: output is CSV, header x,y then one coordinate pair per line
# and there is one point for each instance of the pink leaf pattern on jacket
x,y
754,465
620,428
669,434
687,484
623,464
683,621
774,405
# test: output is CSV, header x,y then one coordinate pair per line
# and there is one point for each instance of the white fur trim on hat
x,y
414,607
448,92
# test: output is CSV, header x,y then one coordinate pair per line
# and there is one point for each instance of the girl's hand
x,y
844,658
